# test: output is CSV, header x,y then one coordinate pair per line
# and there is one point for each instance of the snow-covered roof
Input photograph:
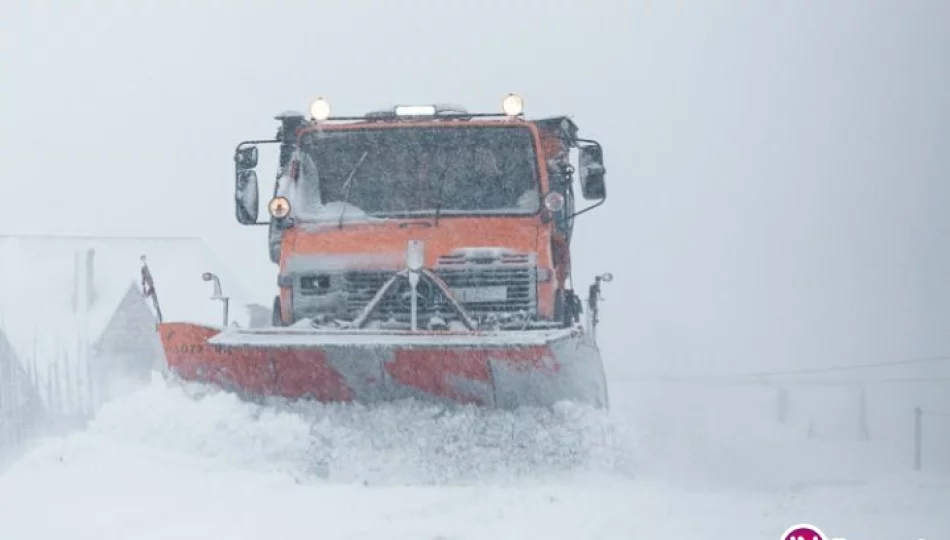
x,y
37,287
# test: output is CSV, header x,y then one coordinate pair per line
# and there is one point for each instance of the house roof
x,y
37,290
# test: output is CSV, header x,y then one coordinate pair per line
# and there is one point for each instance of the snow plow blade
x,y
498,369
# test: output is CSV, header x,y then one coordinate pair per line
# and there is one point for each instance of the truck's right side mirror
x,y
246,197
592,171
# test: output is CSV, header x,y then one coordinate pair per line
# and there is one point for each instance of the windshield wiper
x,y
346,185
438,201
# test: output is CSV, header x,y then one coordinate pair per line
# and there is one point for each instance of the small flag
x,y
148,288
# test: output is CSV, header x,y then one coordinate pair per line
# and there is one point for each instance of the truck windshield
x,y
410,171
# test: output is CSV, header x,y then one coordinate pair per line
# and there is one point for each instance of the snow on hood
x,y
326,213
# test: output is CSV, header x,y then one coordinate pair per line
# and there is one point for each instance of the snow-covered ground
x,y
183,461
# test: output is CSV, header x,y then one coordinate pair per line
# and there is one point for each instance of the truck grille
x,y
491,289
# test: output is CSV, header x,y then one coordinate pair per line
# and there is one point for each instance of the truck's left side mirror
x,y
245,158
246,197
592,171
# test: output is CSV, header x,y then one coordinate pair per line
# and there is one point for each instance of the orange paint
x,y
460,374
289,373
527,234
439,371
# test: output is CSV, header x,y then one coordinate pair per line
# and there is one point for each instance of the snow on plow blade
x,y
498,369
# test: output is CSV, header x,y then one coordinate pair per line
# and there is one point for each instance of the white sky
x,y
777,172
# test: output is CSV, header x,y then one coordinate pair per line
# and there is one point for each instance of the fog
x,y
777,172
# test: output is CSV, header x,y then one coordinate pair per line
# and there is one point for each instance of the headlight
x,y
279,207
513,105
415,110
320,109
554,201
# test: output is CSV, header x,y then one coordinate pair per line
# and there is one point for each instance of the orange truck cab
x,y
488,199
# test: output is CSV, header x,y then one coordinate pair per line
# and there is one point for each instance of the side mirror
x,y
245,158
592,172
246,197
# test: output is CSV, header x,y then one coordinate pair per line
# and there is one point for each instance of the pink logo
x,y
803,532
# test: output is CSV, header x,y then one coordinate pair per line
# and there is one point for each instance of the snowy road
x,y
160,465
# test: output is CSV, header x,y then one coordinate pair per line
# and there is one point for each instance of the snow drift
x,y
404,442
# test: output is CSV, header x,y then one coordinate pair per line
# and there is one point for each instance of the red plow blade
x,y
503,369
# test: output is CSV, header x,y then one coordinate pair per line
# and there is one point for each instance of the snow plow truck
x,y
423,252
